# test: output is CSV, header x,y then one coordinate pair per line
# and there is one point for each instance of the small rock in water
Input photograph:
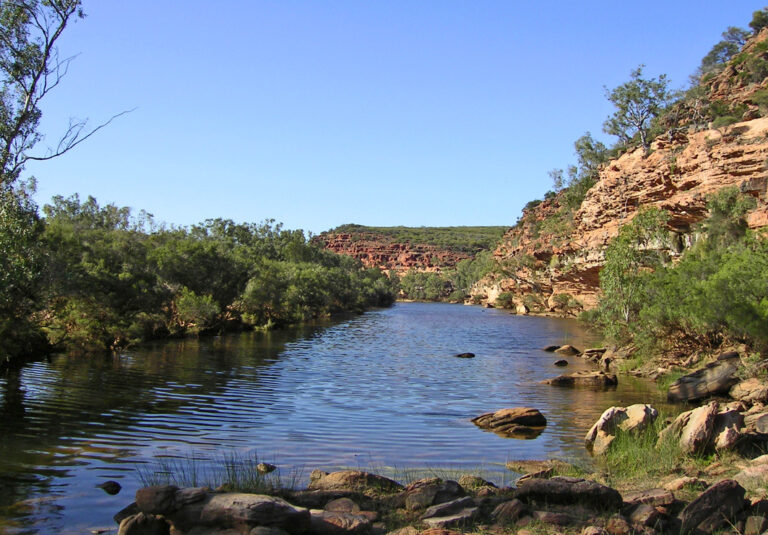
x,y
561,362
551,349
265,468
110,487
465,355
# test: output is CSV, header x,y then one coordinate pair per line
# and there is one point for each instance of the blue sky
x,y
319,113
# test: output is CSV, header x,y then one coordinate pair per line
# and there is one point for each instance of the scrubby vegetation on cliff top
x,y
468,240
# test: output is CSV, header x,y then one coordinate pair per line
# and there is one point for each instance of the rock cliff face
x,y
374,250
551,269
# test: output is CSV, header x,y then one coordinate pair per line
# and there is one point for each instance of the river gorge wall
x,y
552,264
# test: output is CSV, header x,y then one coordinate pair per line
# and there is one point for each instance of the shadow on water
x,y
380,389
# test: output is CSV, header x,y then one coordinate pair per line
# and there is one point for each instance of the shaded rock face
x,y
569,491
632,419
184,509
715,508
522,422
431,491
715,378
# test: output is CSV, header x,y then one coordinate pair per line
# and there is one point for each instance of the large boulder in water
x,y
520,422
594,379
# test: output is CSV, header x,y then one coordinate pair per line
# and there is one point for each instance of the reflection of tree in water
x,y
73,411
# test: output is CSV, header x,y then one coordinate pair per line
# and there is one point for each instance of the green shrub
x,y
505,300
725,120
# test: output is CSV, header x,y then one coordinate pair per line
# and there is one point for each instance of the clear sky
x,y
317,113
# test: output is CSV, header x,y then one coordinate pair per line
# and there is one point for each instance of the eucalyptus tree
x,y
637,103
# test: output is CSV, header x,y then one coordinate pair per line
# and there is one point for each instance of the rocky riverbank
x,y
702,472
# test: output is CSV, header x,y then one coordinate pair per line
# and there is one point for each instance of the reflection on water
x,y
383,388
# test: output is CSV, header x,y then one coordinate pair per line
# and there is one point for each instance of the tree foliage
x,y
718,289
637,103
759,20
733,39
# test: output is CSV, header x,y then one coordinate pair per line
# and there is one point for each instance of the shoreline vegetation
x,y
95,278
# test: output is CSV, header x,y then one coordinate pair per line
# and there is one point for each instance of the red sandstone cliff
x,y
375,250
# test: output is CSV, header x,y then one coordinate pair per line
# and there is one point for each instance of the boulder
x,y
554,518
594,353
569,491
439,531
344,505
522,422
686,481
651,497
716,378
449,508
755,525
645,515
632,419
144,524
727,433
353,480
695,428
757,422
561,362
753,475
158,499
751,391
551,349
567,350
459,518
338,523
509,512
468,481
110,487
239,509
265,468
591,379
262,530
431,491
717,507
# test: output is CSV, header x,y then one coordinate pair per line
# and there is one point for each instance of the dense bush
x,y
717,290
92,277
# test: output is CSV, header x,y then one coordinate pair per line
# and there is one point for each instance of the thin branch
x,y
72,143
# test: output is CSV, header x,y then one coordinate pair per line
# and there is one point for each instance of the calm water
x,y
381,389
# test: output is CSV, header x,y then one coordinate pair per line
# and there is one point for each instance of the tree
x,y
733,39
759,20
628,256
30,68
637,102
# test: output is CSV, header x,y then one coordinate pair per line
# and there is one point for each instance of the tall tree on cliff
x,y
637,102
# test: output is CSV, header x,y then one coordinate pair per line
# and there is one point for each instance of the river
x,y
380,390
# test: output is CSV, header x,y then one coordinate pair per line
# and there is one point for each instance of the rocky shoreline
x,y
724,490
